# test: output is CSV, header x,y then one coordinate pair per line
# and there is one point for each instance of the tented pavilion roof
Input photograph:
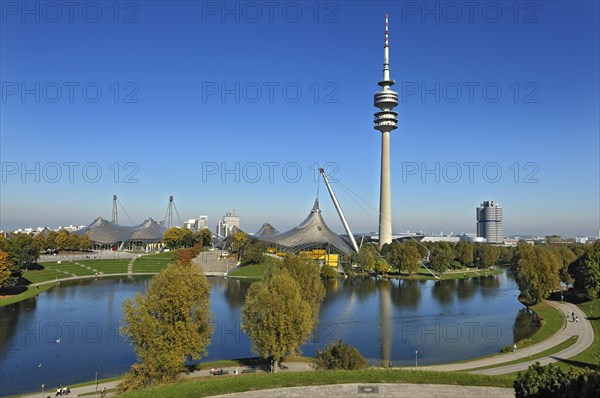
x,y
104,232
312,232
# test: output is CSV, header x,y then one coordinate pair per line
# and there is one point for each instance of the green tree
x,y
409,258
252,251
328,272
536,272
367,257
340,356
551,381
465,253
586,272
441,258
167,325
5,270
487,255
307,273
206,237
275,316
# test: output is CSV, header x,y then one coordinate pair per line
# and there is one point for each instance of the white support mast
x,y
339,210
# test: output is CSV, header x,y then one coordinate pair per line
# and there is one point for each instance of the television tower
x,y
385,121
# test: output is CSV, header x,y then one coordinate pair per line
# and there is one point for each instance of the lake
x,y
70,333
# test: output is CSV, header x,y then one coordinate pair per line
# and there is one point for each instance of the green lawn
x,y
553,321
422,274
564,345
589,358
108,266
255,271
206,386
30,292
152,262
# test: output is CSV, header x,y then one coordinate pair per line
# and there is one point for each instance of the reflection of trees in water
x,y
407,294
9,322
489,285
466,288
526,324
443,290
364,287
234,291
335,288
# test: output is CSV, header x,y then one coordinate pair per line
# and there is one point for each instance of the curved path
x,y
583,329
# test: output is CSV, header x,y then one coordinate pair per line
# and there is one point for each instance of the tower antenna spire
x,y
385,121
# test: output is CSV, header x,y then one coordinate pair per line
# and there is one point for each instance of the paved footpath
x,y
583,329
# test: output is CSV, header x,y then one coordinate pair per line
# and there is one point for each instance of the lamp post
x,y
416,359
43,391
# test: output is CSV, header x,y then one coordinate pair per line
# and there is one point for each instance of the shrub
x,y
340,356
552,381
328,272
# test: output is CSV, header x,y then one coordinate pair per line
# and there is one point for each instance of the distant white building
x,y
196,224
581,239
471,238
226,224
449,239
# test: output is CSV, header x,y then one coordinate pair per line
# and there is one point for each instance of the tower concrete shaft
x,y
385,121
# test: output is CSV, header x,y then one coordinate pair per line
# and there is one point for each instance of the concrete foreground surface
x,y
377,390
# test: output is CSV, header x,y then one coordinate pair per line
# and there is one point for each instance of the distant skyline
x,y
234,105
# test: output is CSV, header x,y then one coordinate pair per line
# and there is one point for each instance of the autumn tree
x,y
167,325
22,252
275,316
536,272
239,237
5,270
85,243
175,237
50,241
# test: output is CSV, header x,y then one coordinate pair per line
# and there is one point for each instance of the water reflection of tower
x,y
385,321
385,121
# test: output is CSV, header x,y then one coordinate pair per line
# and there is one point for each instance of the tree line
x,y
539,270
23,250
408,257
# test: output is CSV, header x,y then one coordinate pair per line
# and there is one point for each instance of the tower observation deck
x,y
385,121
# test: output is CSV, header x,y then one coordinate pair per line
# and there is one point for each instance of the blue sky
x,y
231,105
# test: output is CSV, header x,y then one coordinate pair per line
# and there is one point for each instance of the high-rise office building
x,y
225,225
489,222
